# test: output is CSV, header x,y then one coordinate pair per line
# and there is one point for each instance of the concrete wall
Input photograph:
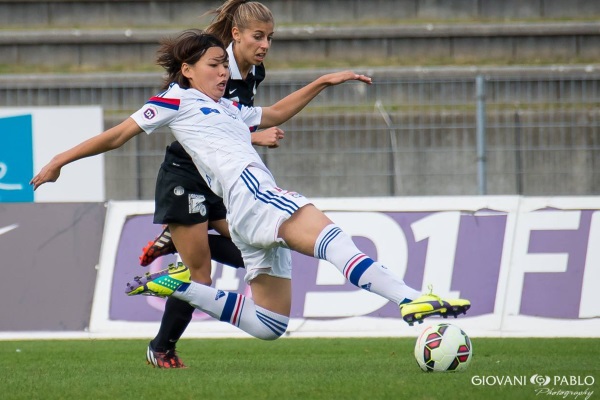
x,y
558,42
183,13
61,34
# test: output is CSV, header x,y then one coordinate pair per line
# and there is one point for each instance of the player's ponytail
x,y
238,13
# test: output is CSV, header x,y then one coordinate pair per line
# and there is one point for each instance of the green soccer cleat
x,y
429,305
162,283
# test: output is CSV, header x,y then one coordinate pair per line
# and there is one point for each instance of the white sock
x,y
338,248
236,309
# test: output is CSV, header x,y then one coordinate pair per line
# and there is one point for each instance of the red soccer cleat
x,y
161,246
168,359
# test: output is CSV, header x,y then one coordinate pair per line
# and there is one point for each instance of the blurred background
x,y
469,96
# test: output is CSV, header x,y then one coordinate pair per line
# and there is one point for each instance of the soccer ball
x,y
443,347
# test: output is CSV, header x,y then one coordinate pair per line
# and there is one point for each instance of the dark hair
x,y
240,13
187,48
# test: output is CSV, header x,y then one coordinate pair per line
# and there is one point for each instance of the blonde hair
x,y
239,13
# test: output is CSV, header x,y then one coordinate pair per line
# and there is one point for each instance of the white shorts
x,y
256,209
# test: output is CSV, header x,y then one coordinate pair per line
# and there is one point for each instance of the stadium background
x,y
414,132
471,97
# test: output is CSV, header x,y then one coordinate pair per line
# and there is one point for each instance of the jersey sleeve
x,y
251,116
157,112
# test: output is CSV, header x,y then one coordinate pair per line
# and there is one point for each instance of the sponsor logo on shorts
x,y
287,192
179,190
196,203
150,112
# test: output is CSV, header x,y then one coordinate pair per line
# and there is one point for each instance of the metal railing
x,y
407,134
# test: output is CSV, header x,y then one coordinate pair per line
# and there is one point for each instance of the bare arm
x,y
269,137
106,141
292,104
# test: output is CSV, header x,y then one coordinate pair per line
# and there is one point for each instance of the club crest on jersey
x,y
178,190
150,112
231,111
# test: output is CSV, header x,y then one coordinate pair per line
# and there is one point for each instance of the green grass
x,y
381,368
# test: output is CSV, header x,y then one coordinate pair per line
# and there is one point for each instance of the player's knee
x,y
268,325
272,334
271,328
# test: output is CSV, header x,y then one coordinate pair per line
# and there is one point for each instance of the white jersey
x,y
217,135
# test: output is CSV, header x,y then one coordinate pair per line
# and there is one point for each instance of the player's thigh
x,y
191,242
301,230
221,226
272,293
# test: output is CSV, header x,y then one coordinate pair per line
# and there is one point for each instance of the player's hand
x,y
340,77
269,137
49,173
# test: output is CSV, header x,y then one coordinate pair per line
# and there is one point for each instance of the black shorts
x,y
182,196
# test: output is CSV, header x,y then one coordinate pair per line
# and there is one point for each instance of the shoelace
x,y
430,287
438,298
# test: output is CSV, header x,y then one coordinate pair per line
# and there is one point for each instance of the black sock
x,y
175,320
178,313
224,251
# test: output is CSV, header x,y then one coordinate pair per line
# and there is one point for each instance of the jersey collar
x,y
234,70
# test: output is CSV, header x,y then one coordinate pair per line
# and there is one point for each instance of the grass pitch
x,y
247,369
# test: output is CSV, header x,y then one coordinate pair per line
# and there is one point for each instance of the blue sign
x,y
16,159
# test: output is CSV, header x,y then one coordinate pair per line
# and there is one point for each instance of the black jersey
x,y
243,90
177,160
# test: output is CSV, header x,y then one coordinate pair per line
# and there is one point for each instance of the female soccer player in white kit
x,y
184,204
264,220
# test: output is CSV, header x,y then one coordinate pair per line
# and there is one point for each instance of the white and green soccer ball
x,y
443,347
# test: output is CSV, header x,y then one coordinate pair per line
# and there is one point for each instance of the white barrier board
x,y
31,136
528,265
